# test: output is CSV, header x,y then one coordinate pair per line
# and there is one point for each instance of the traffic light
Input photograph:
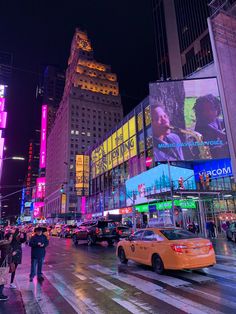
x,y
62,188
112,190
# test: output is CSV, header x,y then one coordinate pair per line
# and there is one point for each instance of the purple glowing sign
x,y
2,104
3,119
37,208
1,151
40,187
83,205
43,143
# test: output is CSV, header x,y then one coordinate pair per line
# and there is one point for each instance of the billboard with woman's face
x,y
187,120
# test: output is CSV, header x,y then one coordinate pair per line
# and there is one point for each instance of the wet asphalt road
x,y
86,279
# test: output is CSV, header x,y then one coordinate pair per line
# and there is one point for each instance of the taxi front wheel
x,y
157,264
122,257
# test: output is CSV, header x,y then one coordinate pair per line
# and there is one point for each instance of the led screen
x,y
2,104
187,120
43,143
157,180
215,168
40,187
3,119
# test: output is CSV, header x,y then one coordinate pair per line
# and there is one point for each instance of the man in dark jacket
x,y
38,244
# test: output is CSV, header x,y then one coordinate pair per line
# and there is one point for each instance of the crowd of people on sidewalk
x,y
11,241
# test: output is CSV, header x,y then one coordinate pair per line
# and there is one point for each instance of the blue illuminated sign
x,y
215,168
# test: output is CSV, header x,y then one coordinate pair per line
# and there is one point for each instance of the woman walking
x,y
5,250
18,239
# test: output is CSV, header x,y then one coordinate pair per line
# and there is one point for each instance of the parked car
x,y
231,232
67,231
96,231
167,248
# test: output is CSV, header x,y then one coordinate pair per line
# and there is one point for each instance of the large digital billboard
x,y
215,168
82,174
187,120
43,142
119,147
157,180
40,187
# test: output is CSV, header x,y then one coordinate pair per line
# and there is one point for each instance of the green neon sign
x,y
188,204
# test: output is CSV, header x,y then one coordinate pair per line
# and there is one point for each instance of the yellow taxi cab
x,y
167,248
56,231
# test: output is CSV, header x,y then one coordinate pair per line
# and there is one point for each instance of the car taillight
x,y
120,232
97,231
210,245
178,248
67,229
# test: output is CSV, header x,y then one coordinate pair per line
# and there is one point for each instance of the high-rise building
x,y
182,38
90,107
6,60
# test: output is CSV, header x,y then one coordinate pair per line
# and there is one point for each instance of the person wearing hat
x,y
38,243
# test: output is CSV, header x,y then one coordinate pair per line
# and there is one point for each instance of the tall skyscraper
x,y
182,38
90,107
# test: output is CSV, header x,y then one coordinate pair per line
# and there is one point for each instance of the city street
x,y
86,279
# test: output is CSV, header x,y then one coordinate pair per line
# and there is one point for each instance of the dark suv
x,y
96,231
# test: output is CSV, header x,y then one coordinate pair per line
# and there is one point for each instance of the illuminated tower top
x,y
86,73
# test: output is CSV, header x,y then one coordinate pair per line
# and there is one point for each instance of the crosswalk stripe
x,y
157,292
219,273
107,284
77,302
212,297
173,282
226,268
80,276
37,296
193,277
128,305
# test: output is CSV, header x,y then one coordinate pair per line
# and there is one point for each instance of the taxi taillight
x,y
98,231
178,248
210,245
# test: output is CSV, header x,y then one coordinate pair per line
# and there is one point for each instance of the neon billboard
x,y
37,208
2,104
3,119
43,143
40,187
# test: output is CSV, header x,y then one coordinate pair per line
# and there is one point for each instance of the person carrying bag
x,y
5,259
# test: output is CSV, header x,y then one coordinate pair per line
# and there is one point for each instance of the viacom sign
x,y
216,168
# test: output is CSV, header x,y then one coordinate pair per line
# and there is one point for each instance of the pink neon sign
x,y
40,190
43,144
3,119
2,104
83,205
1,151
37,208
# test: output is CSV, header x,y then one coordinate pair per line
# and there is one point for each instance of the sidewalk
x,y
14,304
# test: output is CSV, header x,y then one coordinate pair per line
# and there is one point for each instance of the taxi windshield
x,y
177,234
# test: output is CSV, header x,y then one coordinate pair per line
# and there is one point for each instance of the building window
x,y
72,132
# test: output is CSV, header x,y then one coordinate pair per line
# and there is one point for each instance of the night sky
x,y
39,33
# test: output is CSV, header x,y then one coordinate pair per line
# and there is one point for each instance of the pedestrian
x,y
18,239
38,243
5,260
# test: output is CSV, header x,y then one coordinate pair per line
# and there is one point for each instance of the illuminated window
x,y
77,132
88,134
147,116
72,132
140,121
83,133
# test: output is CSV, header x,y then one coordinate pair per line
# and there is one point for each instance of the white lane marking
x,y
77,300
128,306
195,277
231,258
173,282
45,304
157,292
226,268
220,273
107,284
212,297
81,277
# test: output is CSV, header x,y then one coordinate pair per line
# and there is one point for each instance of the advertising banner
x,y
63,203
215,168
82,174
2,104
43,143
119,147
3,119
187,120
40,187
186,204
157,180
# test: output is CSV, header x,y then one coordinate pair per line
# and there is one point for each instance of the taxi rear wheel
x,y
157,264
122,257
